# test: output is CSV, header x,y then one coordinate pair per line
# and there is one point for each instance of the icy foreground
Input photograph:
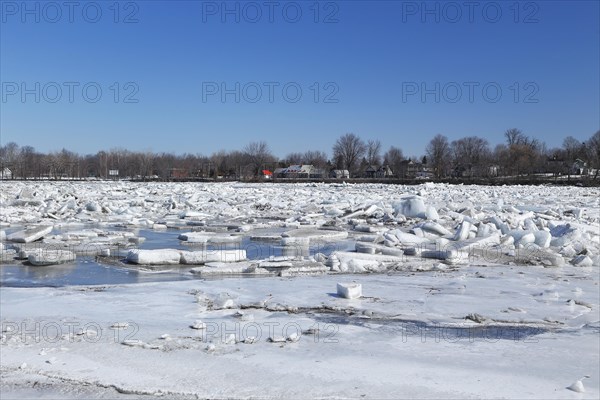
x,y
477,292
410,336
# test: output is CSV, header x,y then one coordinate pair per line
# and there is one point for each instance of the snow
x,y
394,344
470,291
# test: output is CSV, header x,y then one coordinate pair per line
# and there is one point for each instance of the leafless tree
x,y
258,154
9,152
438,155
9,155
593,149
349,149
294,158
571,147
525,155
310,157
393,158
145,160
25,162
471,154
316,158
513,136
374,152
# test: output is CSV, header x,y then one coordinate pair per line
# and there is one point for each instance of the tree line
x,y
466,157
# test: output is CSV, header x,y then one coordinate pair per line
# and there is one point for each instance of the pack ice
x,y
392,227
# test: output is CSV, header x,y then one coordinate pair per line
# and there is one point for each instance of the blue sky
x,y
370,61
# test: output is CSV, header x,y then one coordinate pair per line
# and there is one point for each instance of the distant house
x,y
279,173
339,174
178,173
317,173
493,170
580,167
459,171
411,169
384,172
297,171
371,171
5,173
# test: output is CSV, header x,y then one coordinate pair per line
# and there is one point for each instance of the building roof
x,y
298,169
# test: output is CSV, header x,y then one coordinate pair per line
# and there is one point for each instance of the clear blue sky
x,y
376,55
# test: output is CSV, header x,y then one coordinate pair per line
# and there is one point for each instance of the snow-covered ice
x,y
469,291
30,234
50,257
154,257
349,290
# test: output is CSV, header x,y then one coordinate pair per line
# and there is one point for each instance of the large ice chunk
x,y
51,257
542,238
582,261
30,235
406,238
220,268
360,262
411,207
154,257
300,235
435,228
349,290
462,233
202,256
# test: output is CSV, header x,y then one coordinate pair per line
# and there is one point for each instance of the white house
x,y
298,171
339,174
5,173
580,167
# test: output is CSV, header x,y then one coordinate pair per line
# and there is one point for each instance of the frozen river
x,y
125,290
88,269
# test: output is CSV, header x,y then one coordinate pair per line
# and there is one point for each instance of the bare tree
x,y
25,161
316,158
593,149
9,152
513,136
218,161
471,153
258,154
525,155
438,155
374,152
310,157
9,157
393,158
571,147
294,158
145,161
349,149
